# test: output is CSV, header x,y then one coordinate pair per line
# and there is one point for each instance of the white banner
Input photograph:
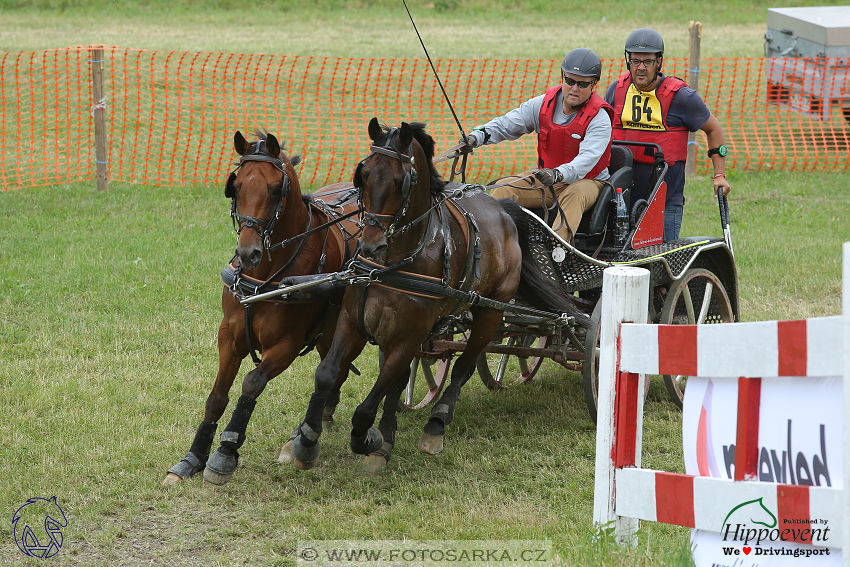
x,y
800,442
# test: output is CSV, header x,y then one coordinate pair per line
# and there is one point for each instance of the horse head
x,y
259,189
386,179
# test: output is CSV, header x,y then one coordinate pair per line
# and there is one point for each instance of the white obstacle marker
x,y
748,353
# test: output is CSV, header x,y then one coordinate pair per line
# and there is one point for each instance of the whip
x,y
463,148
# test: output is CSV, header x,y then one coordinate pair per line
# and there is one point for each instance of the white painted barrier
x,y
624,493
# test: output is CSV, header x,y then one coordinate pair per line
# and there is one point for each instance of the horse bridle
x,y
410,178
263,228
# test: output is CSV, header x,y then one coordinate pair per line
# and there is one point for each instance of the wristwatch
x,y
721,151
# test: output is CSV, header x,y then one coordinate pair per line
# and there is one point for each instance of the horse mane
x,y
427,143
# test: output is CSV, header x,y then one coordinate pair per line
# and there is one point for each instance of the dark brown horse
x,y
269,214
409,230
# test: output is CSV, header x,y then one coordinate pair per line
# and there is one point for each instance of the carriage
x,y
693,281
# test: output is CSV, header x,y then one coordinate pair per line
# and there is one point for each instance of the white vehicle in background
x,y
808,65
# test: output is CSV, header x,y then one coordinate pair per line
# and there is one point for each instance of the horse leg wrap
x,y
306,447
226,458
441,416
367,444
196,458
311,427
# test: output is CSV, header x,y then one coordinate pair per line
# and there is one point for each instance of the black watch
x,y
721,151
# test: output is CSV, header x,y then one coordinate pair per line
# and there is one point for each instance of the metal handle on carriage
x,y
723,204
286,290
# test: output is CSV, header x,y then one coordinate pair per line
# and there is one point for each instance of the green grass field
x,y
112,300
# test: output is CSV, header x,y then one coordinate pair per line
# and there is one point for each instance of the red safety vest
x,y
673,141
557,145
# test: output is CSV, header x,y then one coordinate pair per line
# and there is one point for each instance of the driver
x,y
573,126
651,107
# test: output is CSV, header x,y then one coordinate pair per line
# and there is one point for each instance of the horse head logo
x,y
41,513
755,511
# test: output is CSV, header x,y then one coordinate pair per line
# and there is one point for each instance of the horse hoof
x,y
304,457
171,479
285,453
303,465
431,444
216,478
369,443
373,464
327,422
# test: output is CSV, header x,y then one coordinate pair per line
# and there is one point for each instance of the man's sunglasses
x,y
581,84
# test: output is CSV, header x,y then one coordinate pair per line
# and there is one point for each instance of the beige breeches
x,y
574,199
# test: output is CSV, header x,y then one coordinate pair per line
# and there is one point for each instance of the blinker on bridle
x,y
410,179
263,228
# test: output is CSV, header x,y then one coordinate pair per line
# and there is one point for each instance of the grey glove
x,y
549,176
472,140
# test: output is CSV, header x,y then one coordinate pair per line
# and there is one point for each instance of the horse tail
x,y
535,287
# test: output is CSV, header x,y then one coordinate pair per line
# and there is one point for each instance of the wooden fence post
x,y
625,298
98,112
695,30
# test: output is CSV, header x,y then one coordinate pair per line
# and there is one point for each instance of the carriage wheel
x,y
502,363
590,367
698,297
420,393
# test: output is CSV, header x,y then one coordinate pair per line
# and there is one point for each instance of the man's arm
x,y
515,124
714,136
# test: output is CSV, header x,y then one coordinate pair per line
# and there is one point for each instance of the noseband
x,y
263,228
410,178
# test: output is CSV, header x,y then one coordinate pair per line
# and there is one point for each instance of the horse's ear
x,y
295,160
375,131
272,145
405,136
240,144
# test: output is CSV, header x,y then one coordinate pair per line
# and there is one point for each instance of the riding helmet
x,y
582,62
644,40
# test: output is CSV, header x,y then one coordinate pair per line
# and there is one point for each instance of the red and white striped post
x,y
625,298
753,352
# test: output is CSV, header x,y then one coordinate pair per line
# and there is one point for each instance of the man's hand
x,y
471,140
720,181
549,176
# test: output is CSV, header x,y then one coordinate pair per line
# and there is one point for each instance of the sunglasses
x,y
647,63
581,84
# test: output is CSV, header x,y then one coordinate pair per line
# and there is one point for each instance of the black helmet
x,y
582,62
644,40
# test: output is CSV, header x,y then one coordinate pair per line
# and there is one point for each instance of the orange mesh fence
x,y
171,115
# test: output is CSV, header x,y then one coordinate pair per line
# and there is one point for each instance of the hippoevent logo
x,y
38,527
770,532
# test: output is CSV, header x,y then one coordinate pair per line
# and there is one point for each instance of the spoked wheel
x,y
590,366
698,297
421,392
493,367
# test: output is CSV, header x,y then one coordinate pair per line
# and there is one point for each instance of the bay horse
x,y
409,224
276,239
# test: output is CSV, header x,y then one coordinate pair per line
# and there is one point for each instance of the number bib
x,y
642,111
